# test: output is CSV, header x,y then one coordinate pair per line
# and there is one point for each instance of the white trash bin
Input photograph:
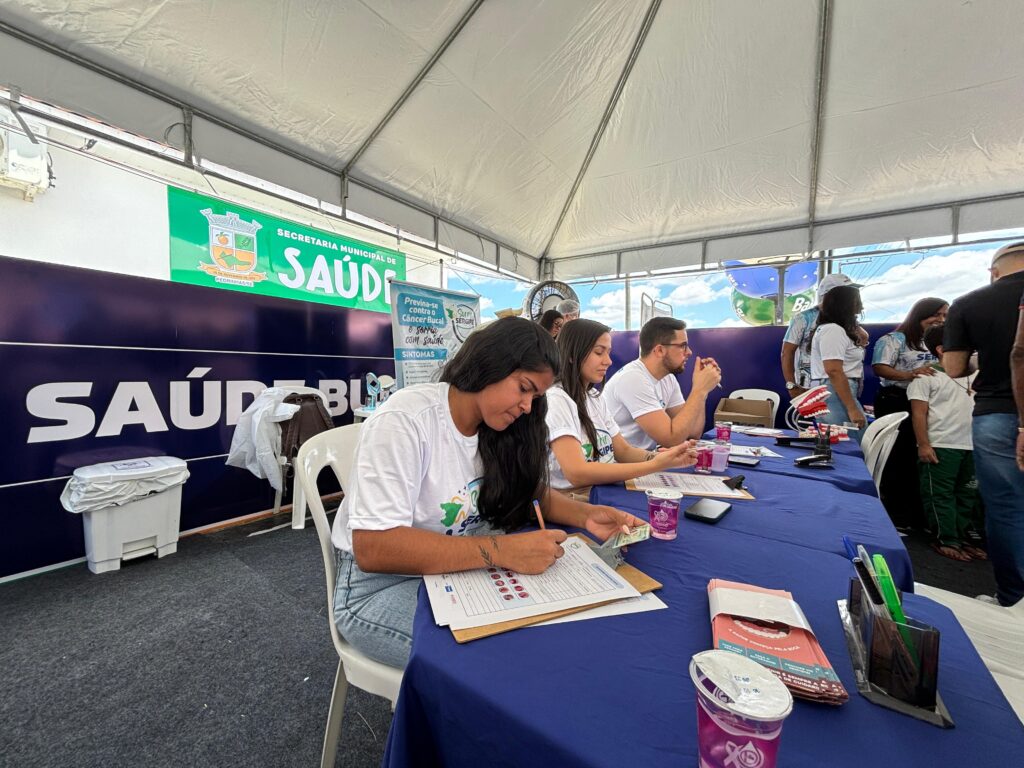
x,y
129,508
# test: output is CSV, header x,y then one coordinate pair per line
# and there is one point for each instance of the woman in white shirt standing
x,y
837,357
441,473
586,445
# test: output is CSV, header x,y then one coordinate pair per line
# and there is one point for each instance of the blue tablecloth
x,y
616,691
850,472
795,510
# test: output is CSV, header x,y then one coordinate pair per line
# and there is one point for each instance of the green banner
x,y
223,245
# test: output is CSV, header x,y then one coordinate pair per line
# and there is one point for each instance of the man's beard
x,y
680,369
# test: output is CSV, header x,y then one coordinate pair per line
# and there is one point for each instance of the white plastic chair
x,y
758,394
877,443
336,448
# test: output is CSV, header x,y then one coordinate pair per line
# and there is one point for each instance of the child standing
x,y
941,411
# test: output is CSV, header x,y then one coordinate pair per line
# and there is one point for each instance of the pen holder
x,y
896,664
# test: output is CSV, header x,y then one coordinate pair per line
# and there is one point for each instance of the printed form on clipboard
x,y
490,595
688,484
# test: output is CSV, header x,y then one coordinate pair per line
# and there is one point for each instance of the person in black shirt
x,y
1017,364
984,321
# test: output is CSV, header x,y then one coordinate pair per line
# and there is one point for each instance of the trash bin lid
x,y
131,469
99,486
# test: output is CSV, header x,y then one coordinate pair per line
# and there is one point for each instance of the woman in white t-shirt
x,y
586,445
441,473
837,357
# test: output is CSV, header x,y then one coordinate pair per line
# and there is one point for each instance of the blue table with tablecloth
x,y
796,510
848,474
616,691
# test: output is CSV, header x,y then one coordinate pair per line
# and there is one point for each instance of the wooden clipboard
x,y
638,579
744,494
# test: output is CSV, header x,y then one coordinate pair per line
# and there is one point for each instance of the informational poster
x,y
222,245
428,325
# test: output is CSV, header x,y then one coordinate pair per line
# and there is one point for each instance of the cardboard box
x,y
754,413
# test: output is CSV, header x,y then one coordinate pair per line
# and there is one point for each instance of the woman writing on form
x,y
586,445
441,473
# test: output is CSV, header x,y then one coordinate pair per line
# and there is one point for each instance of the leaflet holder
x,y
896,665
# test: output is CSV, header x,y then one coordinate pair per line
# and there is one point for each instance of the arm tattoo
x,y
486,556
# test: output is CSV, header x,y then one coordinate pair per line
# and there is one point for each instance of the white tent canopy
x,y
602,136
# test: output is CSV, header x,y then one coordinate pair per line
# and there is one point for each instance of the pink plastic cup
x,y
723,430
663,512
740,710
704,456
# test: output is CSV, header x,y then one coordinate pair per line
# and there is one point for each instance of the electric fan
x,y
544,296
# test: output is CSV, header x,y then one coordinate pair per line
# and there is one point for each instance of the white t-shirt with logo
x,y
564,420
950,406
892,350
633,392
831,343
412,467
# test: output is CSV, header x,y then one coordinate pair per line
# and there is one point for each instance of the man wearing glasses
x,y
644,396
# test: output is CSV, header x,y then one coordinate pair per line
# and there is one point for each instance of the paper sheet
x,y
646,602
754,452
757,431
697,485
490,595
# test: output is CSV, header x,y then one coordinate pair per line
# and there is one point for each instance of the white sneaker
x,y
990,599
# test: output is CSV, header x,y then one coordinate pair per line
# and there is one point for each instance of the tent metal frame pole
x,y
424,70
703,241
149,91
638,44
820,85
824,260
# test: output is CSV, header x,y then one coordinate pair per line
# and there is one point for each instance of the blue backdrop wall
x,y
99,367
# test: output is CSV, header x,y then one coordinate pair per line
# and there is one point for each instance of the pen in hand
x,y
703,363
540,517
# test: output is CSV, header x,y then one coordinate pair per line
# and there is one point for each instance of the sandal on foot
x,y
953,553
975,553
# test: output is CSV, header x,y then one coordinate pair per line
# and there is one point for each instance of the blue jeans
x,y
836,410
374,611
1001,486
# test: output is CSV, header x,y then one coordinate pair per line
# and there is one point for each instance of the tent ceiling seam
x,y
820,85
412,85
627,69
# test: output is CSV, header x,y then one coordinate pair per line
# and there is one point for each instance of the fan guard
x,y
546,295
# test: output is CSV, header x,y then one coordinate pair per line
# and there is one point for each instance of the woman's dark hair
x,y
575,341
547,320
911,325
841,306
515,460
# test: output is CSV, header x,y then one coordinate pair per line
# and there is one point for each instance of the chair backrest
x,y
758,394
878,440
336,449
